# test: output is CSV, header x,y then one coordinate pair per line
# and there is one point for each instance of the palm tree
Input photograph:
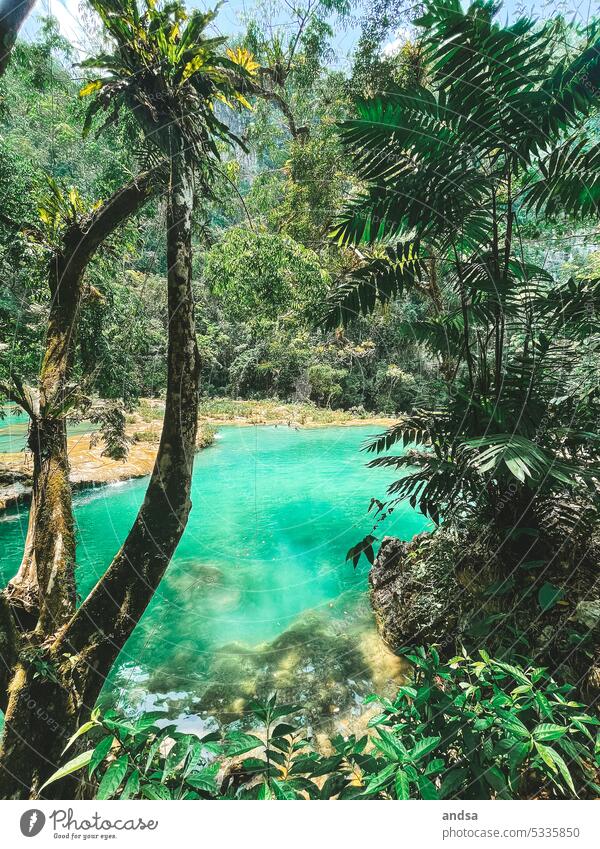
x,y
170,74
449,174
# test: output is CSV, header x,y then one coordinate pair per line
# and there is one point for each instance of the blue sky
x,y
232,12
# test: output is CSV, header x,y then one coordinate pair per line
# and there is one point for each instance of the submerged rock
x,y
326,663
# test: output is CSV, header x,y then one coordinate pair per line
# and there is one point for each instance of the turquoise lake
x,y
14,425
258,597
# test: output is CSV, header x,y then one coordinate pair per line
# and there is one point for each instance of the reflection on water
x,y
258,597
13,429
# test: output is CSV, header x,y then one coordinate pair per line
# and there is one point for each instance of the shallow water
x,y
14,426
258,597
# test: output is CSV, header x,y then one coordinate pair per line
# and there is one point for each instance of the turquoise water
x,y
13,429
258,596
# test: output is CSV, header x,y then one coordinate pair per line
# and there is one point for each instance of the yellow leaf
x,y
193,66
244,59
241,99
224,100
90,88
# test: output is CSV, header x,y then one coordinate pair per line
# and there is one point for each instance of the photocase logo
x,y
32,822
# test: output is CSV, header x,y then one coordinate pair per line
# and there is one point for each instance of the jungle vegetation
x,y
185,216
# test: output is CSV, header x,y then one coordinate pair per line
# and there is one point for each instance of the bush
x,y
468,729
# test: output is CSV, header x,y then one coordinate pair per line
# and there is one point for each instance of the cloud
x,y
403,34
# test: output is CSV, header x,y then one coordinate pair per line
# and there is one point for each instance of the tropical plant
x,y
471,729
450,173
170,74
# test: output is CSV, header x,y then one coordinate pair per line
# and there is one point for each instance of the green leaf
x,y
402,785
87,726
563,769
549,595
283,730
391,748
434,766
147,720
548,731
264,792
545,753
112,778
497,780
156,791
452,781
239,743
100,752
282,790
132,785
205,779
73,765
423,747
379,780
427,788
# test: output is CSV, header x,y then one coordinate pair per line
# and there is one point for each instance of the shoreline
x,y
90,469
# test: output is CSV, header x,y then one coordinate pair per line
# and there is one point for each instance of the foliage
x,y
194,74
260,275
473,729
449,171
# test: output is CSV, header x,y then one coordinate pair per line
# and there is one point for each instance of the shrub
x,y
469,729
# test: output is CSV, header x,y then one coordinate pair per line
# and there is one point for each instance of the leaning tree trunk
x,y
39,702
43,590
44,586
12,17
81,656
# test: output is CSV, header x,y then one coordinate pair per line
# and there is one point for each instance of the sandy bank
x,y
89,467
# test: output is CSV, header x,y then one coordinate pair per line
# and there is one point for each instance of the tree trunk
x,y
85,649
12,17
42,707
46,580
49,556
107,618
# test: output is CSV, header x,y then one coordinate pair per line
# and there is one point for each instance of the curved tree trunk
x,y
12,17
49,555
85,649
107,618
41,706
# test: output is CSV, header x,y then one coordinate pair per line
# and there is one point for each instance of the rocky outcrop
x,y
408,607
422,590
455,589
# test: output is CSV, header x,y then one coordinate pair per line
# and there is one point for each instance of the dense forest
x,y
199,228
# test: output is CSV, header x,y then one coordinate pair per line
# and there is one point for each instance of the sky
x,y
231,14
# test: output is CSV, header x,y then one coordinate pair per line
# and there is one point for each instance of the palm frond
x,y
377,281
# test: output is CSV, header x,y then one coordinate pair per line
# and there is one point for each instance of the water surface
x,y
14,425
258,596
